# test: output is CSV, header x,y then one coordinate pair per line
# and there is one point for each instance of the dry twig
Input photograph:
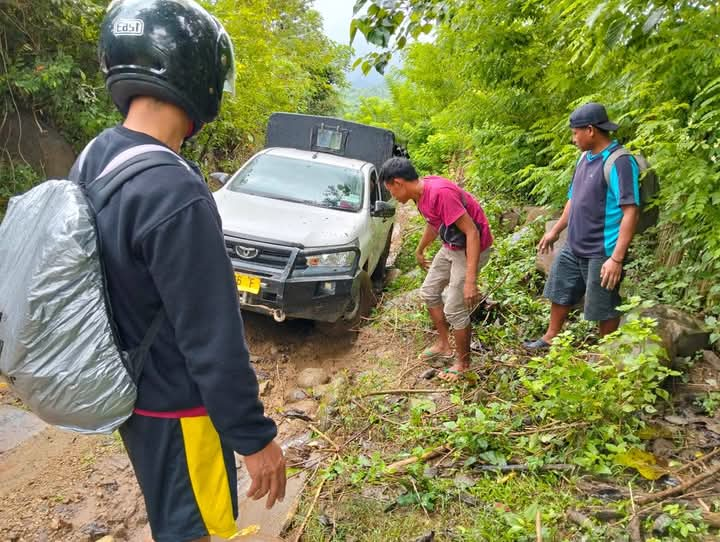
x,y
511,468
698,461
662,495
579,519
298,535
325,437
380,416
403,392
432,454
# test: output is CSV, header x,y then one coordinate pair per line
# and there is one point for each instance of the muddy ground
x,y
59,486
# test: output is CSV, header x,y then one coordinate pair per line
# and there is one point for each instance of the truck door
x,y
379,226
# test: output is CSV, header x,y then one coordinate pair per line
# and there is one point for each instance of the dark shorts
x,y
571,278
187,477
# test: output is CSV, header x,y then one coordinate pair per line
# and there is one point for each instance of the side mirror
x,y
383,209
220,177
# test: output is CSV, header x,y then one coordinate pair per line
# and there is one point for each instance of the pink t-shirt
x,y
442,203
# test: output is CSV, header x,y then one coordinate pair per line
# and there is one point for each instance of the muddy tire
x,y
354,318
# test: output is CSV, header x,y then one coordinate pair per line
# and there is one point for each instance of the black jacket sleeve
x,y
191,270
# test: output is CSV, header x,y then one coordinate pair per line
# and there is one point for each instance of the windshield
x,y
303,181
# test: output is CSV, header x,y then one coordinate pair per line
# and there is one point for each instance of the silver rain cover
x,y
57,348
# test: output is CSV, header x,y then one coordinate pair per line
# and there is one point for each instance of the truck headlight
x,y
332,259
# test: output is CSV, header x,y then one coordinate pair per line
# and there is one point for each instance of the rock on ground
x,y
315,376
544,261
682,334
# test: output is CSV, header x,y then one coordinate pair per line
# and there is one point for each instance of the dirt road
x,y
58,486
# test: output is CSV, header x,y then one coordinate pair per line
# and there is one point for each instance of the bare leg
x,y
608,326
558,315
462,344
442,345
462,355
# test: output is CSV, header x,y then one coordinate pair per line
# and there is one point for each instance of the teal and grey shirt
x,y
596,209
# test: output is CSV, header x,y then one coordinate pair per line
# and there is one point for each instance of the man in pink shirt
x,y
457,217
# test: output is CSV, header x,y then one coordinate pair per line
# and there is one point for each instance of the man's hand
x,y
546,243
610,274
267,472
471,294
422,262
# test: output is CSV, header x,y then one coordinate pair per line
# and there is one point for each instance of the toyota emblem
x,y
246,253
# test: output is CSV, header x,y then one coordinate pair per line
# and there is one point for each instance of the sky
x,y
337,15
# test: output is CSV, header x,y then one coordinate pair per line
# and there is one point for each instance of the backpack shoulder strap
x,y
76,170
121,169
125,166
611,159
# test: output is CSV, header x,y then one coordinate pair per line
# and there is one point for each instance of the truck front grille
x,y
259,254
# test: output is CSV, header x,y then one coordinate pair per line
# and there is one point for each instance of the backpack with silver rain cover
x,y
58,342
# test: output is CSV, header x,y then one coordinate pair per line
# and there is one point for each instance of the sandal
x,y
428,355
452,375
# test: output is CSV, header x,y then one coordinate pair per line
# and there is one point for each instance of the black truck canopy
x,y
331,135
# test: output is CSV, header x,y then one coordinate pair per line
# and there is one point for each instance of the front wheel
x,y
361,307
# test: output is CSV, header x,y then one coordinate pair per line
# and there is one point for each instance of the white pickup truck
x,y
307,223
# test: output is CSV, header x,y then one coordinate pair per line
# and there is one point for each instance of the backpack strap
x,y
611,159
76,170
136,363
125,166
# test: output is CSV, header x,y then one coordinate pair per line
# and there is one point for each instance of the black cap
x,y
592,114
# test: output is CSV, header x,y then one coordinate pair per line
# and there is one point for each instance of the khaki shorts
x,y
447,273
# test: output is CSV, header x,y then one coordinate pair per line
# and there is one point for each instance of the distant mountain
x,y
357,80
352,96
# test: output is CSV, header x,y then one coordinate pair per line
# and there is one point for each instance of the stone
x,y
261,524
265,387
429,374
509,220
17,426
532,213
712,359
95,529
312,377
294,395
661,525
392,275
682,334
407,301
544,261
520,235
306,406
320,391
416,273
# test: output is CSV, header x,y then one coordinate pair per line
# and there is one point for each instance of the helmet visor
x,y
227,61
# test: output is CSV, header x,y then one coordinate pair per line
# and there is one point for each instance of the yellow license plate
x,y
247,284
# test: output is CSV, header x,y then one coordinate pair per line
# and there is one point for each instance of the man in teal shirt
x,y
601,216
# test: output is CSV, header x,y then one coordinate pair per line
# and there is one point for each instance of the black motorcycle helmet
x,y
173,50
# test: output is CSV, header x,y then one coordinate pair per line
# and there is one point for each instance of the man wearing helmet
x,y
166,64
